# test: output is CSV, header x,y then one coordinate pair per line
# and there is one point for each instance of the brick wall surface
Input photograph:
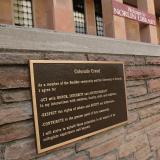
x,y
139,139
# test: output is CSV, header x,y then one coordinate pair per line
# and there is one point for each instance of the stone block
x,y
79,156
152,60
99,138
145,103
132,117
2,150
65,56
135,83
16,95
143,124
16,131
21,150
143,153
139,60
154,138
136,91
130,136
58,155
149,111
144,97
19,58
110,156
158,154
106,147
153,85
14,77
142,72
152,127
132,146
15,112
128,60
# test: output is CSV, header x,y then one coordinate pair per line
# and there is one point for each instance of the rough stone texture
x,y
132,146
136,91
110,156
149,111
16,95
153,60
106,147
143,123
135,83
65,56
96,140
2,150
14,77
141,72
138,139
132,117
18,58
61,154
47,40
21,150
146,97
16,131
131,135
145,103
154,126
154,138
153,85
79,156
128,60
158,154
144,153
15,112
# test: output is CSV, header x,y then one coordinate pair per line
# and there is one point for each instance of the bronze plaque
x,y
74,99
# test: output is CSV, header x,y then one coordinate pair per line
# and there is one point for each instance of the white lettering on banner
x,y
133,13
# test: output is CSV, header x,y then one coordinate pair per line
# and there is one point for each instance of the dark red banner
x,y
123,10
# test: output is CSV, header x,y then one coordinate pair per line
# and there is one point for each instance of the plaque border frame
x,y
31,62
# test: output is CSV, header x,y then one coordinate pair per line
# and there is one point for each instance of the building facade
x,y
89,30
93,17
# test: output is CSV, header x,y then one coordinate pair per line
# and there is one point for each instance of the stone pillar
x,y
54,14
158,29
90,17
114,26
43,14
132,30
6,16
63,15
148,32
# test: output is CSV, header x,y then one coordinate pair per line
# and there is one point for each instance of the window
x,y
132,3
79,16
23,13
99,18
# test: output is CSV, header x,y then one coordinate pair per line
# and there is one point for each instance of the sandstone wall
x,y
139,139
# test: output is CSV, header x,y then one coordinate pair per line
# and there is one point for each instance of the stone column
x,y
114,26
6,16
132,30
43,14
158,29
90,17
63,15
148,32
54,14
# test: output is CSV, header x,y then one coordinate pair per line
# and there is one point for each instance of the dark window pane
x,y
79,16
23,13
99,18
